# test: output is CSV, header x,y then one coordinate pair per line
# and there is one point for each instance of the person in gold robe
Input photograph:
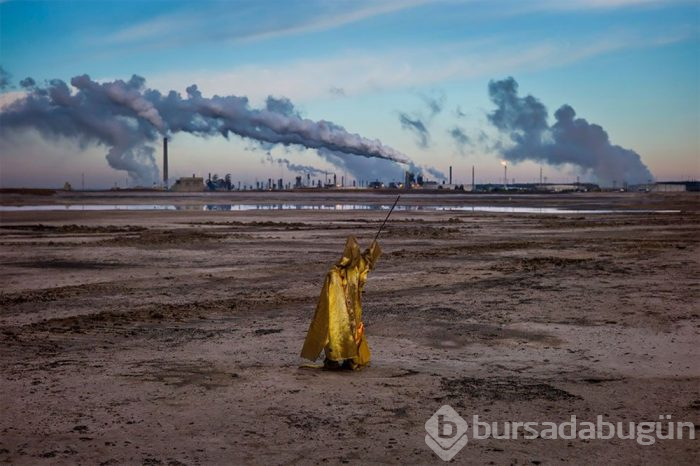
x,y
337,327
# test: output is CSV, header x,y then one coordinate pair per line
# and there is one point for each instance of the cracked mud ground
x,y
173,337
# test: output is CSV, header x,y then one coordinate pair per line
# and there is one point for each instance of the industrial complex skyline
x,y
595,90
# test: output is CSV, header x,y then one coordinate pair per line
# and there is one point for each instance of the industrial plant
x,y
411,181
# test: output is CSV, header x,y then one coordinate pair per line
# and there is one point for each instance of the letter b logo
x,y
446,432
443,426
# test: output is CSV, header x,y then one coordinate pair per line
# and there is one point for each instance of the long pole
x,y
387,218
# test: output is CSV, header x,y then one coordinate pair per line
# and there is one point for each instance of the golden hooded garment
x,y
337,325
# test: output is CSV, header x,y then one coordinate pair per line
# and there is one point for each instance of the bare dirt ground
x,y
172,337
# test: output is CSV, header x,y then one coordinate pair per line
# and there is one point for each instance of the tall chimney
x,y
450,174
165,162
473,185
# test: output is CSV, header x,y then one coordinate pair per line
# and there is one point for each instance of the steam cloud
x,y
125,116
461,139
363,168
27,82
434,104
433,171
4,79
417,127
297,168
360,168
568,141
418,123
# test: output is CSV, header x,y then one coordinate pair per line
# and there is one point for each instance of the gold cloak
x,y
337,325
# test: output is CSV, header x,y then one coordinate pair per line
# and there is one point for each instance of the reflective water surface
x,y
248,207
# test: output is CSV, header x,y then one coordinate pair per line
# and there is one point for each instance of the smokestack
x,y
83,109
165,162
450,174
473,185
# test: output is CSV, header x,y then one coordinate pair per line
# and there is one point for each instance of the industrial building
x,y
675,186
411,181
189,185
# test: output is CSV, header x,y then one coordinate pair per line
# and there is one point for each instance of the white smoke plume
x,y
570,140
294,167
126,117
378,169
297,168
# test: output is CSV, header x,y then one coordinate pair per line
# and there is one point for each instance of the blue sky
x,y
631,66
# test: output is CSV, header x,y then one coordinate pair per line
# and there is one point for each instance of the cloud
x,y
337,91
281,105
294,167
248,21
377,169
243,22
436,173
7,98
164,25
364,169
5,78
417,127
418,122
599,4
27,82
569,140
360,72
125,116
460,138
435,104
